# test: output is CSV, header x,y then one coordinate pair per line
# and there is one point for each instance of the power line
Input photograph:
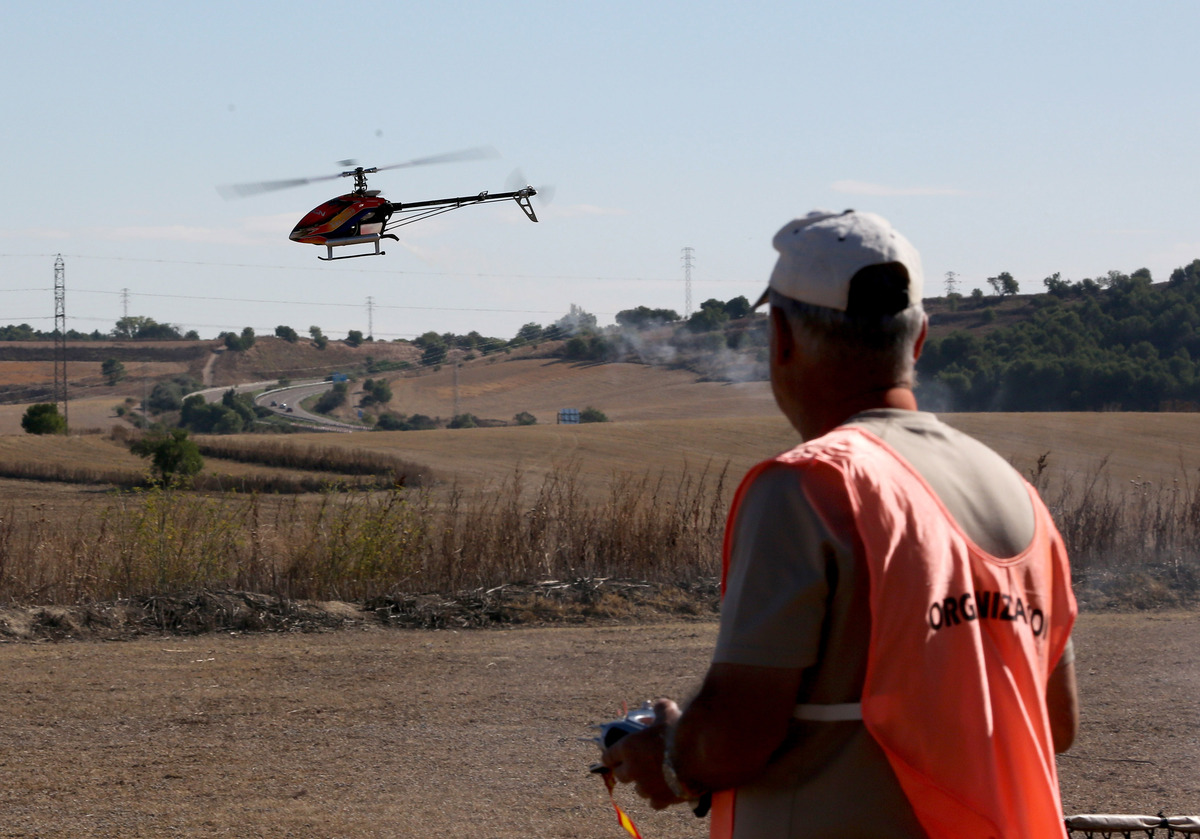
x,y
321,303
390,272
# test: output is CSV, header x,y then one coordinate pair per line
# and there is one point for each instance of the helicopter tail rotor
x,y
516,182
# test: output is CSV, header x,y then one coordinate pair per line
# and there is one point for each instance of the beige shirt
x,y
797,598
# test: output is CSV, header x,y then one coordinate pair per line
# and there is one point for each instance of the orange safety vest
x,y
961,649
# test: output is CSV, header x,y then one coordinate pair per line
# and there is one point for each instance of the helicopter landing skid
x,y
373,238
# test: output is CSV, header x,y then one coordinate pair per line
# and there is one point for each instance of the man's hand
x,y
638,758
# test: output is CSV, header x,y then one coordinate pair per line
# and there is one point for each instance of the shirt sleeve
x,y
778,582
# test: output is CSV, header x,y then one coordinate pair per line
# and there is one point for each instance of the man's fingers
x,y
621,772
666,712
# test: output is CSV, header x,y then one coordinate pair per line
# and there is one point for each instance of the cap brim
x,y
765,296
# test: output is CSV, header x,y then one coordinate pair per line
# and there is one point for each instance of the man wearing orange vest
x,y
894,654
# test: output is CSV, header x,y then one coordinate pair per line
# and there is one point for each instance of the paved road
x,y
291,397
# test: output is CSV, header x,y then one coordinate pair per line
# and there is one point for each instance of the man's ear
x,y
783,342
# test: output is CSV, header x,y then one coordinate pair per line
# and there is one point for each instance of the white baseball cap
x,y
820,253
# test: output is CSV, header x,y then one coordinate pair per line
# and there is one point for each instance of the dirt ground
x,y
374,732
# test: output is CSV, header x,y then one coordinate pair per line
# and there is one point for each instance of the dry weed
x,y
1132,544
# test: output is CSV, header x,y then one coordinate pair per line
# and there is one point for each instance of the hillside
x,y
1119,342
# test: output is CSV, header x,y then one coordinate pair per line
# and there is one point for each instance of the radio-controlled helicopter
x,y
364,216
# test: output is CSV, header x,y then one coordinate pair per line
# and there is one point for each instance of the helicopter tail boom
x,y
521,196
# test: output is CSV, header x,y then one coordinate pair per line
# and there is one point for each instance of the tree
x,y
1003,284
391,422
712,316
286,333
319,339
530,333
738,307
229,416
354,338
239,343
642,317
420,422
43,418
166,396
1056,285
112,370
590,414
576,348
1186,274
433,348
376,391
173,456
575,321
145,329
525,418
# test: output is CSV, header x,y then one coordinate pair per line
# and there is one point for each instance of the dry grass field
x,y
623,391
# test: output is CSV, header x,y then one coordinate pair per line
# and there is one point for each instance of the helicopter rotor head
x,y
358,173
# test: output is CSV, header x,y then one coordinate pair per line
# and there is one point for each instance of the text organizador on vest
x,y
979,605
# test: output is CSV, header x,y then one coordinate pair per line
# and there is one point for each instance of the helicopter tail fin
x,y
522,197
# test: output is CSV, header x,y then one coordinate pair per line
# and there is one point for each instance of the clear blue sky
x,y
1029,137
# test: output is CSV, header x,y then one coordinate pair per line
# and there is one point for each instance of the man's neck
x,y
829,415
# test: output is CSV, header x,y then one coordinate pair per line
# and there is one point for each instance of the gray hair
x,y
881,341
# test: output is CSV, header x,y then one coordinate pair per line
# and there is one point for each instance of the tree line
x,y
1114,342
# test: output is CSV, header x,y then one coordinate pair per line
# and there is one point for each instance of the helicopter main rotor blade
x,y
256,188
478,153
245,190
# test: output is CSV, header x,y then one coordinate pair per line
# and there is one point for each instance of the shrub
x,y
112,370
525,418
590,414
333,398
391,422
166,396
44,418
173,456
376,391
